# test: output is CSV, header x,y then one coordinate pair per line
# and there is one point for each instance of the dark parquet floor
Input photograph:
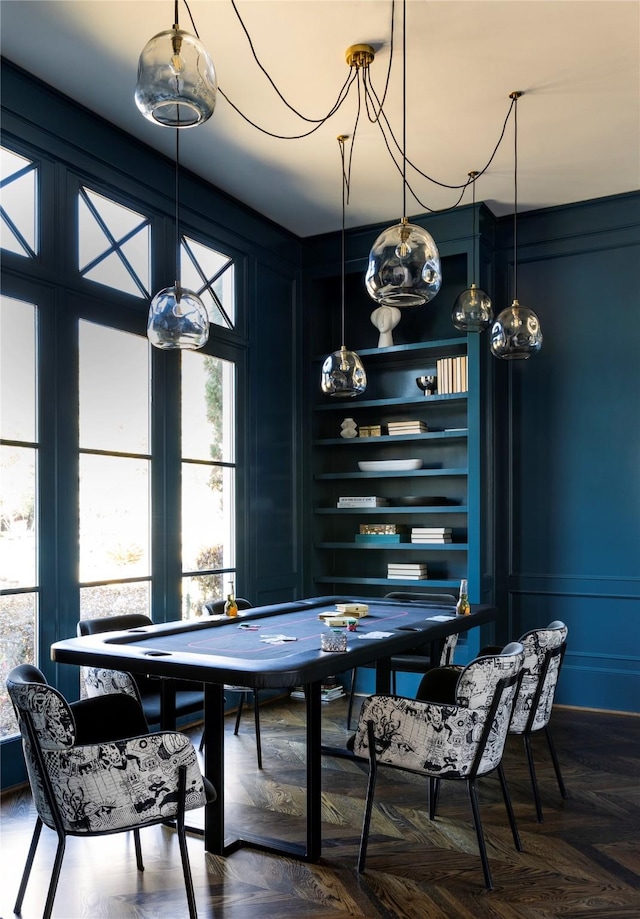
x,y
582,861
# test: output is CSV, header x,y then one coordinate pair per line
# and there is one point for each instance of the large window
x,y
18,508
115,463
208,479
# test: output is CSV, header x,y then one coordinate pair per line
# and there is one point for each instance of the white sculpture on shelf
x,y
349,428
385,319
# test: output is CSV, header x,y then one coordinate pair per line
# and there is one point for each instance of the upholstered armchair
x,y
461,740
94,769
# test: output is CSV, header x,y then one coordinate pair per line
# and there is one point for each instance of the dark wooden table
x,y
218,651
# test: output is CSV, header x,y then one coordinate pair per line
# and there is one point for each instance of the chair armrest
x,y
125,783
420,736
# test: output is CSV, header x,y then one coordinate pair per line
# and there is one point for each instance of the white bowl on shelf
x,y
403,465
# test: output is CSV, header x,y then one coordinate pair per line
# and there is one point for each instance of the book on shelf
x,y
407,427
362,502
426,540
431,531
407,569
407,577
452,374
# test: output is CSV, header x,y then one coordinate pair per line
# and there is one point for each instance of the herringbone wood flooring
x,y
583,861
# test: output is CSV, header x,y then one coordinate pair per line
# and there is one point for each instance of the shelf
x,y
386,511
415,348
384,582
398,547
413,402
407,473
392,438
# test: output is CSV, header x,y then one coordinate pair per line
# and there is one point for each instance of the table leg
x,y
314,771
214,766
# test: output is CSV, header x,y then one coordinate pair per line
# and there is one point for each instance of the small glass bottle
x,y
463,607
231,607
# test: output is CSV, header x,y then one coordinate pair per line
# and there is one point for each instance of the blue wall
x,y
570,446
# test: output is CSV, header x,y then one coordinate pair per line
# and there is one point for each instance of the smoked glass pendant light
x,y
516,333
404,262
176,79
472,311
343,374
178,318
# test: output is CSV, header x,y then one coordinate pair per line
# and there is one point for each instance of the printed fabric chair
x,y
418,660
544,651
461,740
216,608
184,698
94,770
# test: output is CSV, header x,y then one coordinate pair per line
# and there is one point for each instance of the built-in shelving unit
x,y
443,450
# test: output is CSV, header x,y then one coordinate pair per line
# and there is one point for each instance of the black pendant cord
x,y
341,140
177,197
175,13
515,199
476,279
404,108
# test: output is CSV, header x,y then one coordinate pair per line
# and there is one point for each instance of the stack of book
x,y
452,374
329,691
407,571
407,427
368,501
431,534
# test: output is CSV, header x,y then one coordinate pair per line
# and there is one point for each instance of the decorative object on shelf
x,y
380,529
516,333
472,311
343,374
422,501
428,384
178,318
362,501
404,262
397,465
370,430
177,84
348,428
385,319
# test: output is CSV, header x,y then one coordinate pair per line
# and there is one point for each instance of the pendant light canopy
x,y
343,374
178,318
404,263
516,333
472,311
176,79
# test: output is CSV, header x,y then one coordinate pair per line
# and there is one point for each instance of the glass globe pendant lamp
x,y
404,266
177,84
178,319
472,311
343,374
404,262
516,333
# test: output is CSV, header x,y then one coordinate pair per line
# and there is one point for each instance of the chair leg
x,y
256,718
434,791
239,714
27,868
352,692
138,848
371,785
532,772
556,764
55,875
510,813
473,797
182,840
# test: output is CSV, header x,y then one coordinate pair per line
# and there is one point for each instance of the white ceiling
x,y
577,61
